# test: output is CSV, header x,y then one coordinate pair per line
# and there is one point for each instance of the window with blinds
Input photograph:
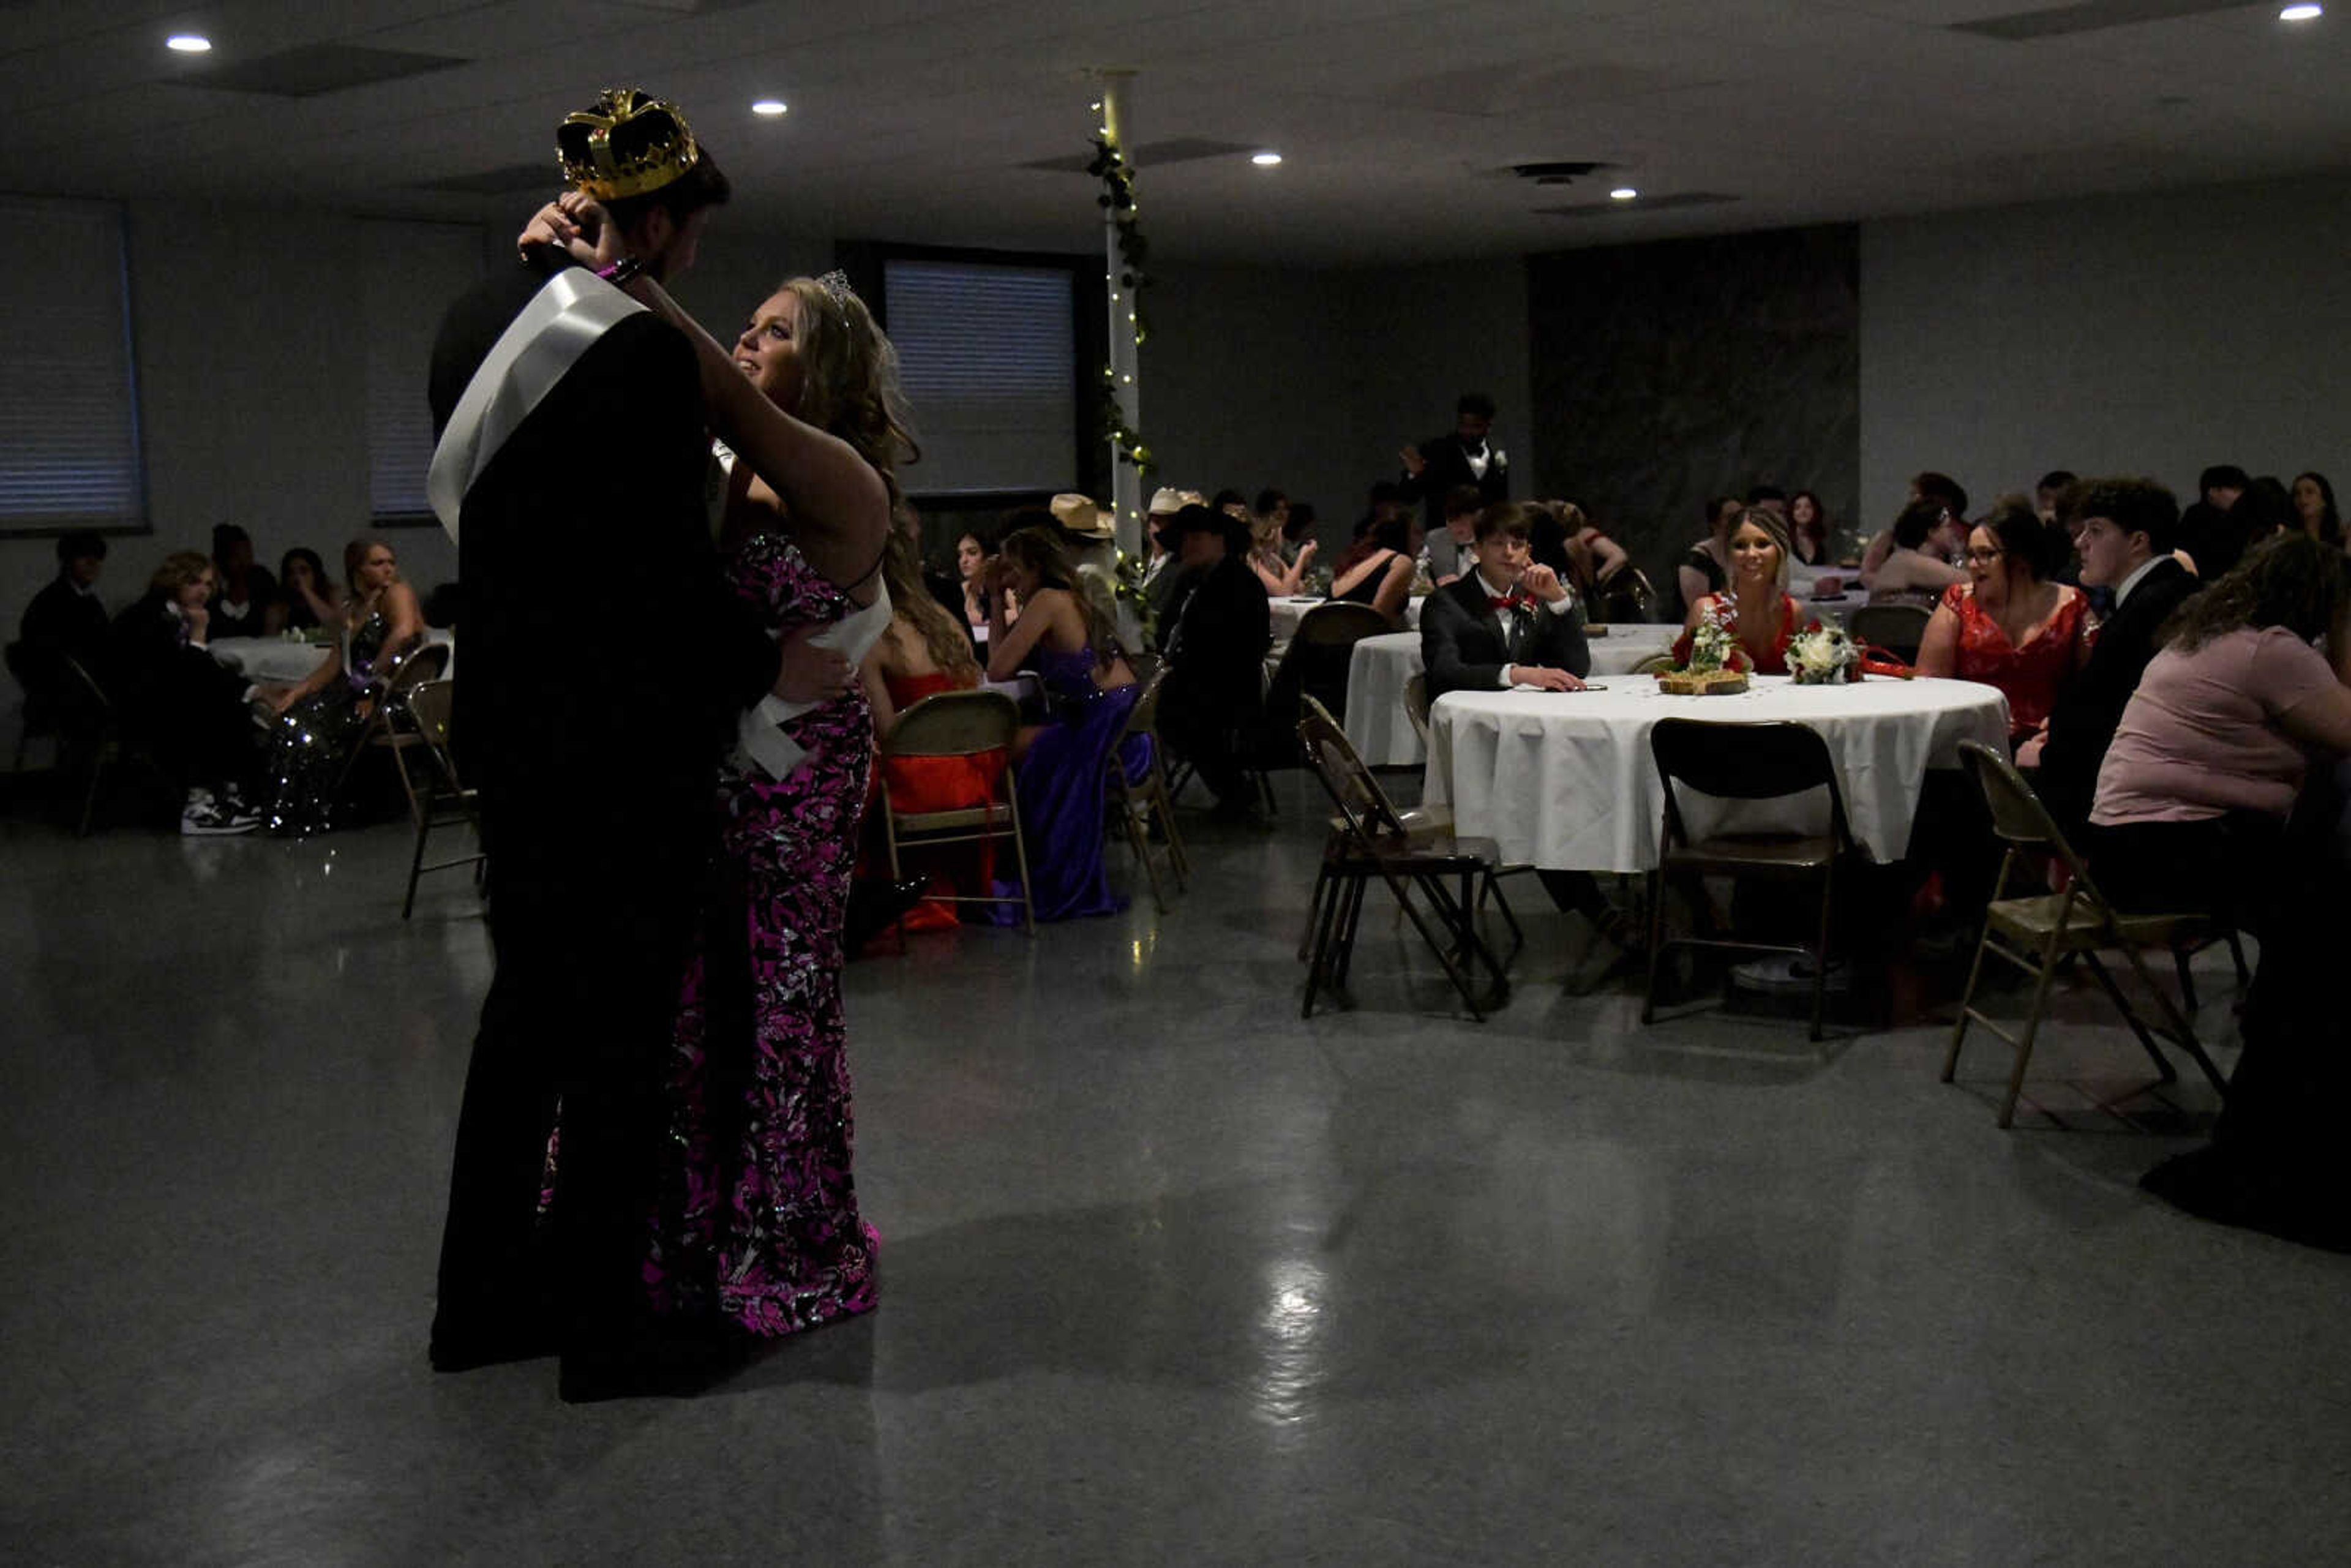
x,y
409,274
68,393
987,354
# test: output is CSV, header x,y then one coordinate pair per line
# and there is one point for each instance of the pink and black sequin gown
x,y
758,1218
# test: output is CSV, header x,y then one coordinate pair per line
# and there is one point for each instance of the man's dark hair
x,y
1478,404
1762,493
79,545
1463,499
1226,498
1505,518
1934,487
2057,479
2134,505
1918,519
2224,476
1267,500
226,535
1301,520
703,185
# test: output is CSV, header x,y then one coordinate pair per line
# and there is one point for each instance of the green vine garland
x,y
1110,166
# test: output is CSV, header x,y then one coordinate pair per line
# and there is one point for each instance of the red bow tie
x,y
1500,602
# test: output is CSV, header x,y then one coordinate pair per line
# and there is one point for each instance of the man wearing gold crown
x,y
573,423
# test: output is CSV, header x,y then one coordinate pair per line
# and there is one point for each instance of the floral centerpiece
x,y
1822,655
1716,666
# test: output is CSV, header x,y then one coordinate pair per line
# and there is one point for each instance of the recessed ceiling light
x,y
770,107
188,44
1265,160
1623,194
2302,12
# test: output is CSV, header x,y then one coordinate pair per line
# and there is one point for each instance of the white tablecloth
x,y
1564,781
1376,675
272,661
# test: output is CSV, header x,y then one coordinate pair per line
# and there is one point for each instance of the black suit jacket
x,y
1216,630
2083,721
567,733
61,619
1449,465
1462,647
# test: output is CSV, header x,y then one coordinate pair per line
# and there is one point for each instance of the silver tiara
x,y
836,283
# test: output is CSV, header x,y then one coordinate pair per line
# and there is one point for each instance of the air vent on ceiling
x,y
1560,171
1150,154
1646,204
315,68
543,175
2090,16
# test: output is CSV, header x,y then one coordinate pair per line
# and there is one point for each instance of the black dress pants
x,y
590,938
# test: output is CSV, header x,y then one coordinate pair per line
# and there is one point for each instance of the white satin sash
x,y
760,737
537,349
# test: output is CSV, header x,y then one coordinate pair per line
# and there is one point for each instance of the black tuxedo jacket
x,y
1462,647
596,500
1215,630
2083,721
1449,465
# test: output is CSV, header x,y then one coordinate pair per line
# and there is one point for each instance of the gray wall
x,y
1312,380
2153,334
1672,372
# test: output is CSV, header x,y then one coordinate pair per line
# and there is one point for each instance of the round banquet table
x,y
269,659
1563,780
1380,666
273,660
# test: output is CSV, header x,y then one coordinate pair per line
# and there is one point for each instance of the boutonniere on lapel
x,y
1498,458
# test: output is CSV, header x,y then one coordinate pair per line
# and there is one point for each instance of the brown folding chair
x,y
1145,805
2035,932
1745,762
1626,596
1898,629
1369,841
391,728
1653,664
958,724
1314,665
439,801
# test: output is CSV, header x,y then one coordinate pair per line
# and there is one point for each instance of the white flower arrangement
x,y
1821,655
1715,638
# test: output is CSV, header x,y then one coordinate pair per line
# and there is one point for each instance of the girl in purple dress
x,y
1064,637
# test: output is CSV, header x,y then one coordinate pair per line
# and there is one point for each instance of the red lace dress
x,y
2029,676
1772,661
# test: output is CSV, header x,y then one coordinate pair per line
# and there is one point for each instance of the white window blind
x,y
988,358
409,274
69,398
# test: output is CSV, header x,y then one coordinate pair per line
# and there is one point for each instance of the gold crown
x,y
624,144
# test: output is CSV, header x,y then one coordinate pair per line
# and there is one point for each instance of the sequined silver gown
x,y
312,740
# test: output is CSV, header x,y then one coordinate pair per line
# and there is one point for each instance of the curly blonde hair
x,y
849,378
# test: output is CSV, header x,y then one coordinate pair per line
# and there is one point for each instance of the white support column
x,y
1126,368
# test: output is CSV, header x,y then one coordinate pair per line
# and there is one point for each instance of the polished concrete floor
x,y
1169,1274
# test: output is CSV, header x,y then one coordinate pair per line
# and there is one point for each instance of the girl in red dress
x,y
2008,626
1760,613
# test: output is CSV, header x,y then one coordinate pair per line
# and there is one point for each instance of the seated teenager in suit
x,y
1215,633
2126,531
1508,621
